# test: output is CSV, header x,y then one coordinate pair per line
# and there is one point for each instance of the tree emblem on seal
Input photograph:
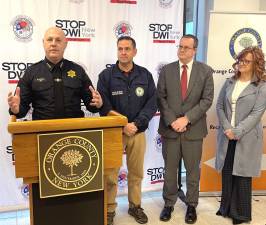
x,y
71,158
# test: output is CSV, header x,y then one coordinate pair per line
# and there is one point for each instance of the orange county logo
x,y
244,38
71,163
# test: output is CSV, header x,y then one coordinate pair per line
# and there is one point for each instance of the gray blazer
x,y
250,107
198,101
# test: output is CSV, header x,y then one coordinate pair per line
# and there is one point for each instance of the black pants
x,y
236,190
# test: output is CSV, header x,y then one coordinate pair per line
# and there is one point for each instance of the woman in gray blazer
x,y
240,106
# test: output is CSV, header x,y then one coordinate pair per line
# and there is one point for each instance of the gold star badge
x,y
71,73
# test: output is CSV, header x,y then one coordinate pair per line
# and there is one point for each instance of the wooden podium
x,y
25,148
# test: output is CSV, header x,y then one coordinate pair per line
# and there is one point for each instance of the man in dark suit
x,y
185,93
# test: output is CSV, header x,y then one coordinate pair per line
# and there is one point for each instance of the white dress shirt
x,y
239,87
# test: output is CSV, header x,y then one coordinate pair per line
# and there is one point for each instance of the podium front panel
x,y
79,209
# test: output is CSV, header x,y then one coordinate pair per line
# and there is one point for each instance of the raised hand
x,y
96,98
14,101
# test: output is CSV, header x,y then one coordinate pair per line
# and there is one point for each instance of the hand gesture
x,y
96,98
14,101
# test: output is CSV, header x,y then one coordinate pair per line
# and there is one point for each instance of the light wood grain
x,y
38,126
25,146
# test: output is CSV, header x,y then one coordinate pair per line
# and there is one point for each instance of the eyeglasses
x,y
185,48
244,62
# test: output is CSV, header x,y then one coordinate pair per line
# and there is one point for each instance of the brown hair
x,y
128,38
195,39
258,62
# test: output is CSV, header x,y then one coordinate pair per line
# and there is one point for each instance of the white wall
x,y
237,5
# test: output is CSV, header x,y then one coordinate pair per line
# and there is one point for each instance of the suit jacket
x,y
250,107
198,99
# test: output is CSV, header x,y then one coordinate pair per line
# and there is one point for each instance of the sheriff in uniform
x,y
54,86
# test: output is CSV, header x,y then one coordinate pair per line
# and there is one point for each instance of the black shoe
x,y
191,215
138,214
166,213
236,221
110,218
218,213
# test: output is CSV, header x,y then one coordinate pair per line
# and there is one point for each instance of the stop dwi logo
x,y
164,33
15,70
76,30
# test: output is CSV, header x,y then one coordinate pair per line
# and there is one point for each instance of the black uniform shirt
x,y
37,88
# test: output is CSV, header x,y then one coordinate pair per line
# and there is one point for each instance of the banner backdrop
x,y
224,43
92,28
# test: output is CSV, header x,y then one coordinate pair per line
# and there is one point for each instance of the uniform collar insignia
x,y
71,73
49,66
61,64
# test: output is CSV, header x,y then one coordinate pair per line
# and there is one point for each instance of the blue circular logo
x,y
244,38
25,190
122,29
23,28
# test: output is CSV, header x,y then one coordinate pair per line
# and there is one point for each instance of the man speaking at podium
x,y
54,86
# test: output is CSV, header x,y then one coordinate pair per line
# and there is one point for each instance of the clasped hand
x,y
180,124
229,134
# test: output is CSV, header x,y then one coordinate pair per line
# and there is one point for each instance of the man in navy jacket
x,y
130,90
